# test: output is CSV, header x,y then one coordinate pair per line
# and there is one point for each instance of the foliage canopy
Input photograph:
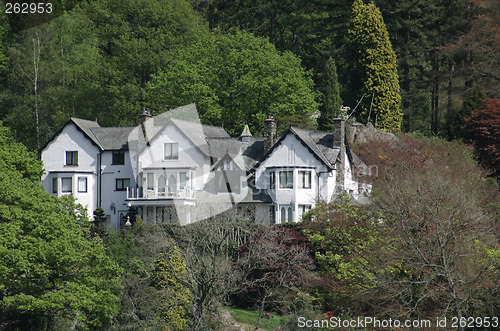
x,y
52,274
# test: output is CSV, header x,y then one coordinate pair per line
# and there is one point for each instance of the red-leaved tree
x,y
444,245
482,130
273,268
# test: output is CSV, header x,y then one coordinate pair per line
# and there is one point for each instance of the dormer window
x,y
171,151
71,158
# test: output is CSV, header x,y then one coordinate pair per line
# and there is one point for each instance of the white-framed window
x,y
283,215
290,215
122,184
304,179
172,184
71,158
55,183
182,180
286,179
151,181
272,181
171,151
162,185
82,184
67,185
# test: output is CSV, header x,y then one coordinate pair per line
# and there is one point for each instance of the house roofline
x,y
278,142
71,121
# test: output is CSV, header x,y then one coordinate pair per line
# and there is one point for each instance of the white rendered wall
x,y
112,200
189,157
292,155
54,162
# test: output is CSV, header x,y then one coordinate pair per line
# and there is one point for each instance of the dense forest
x,y
240,59
426,248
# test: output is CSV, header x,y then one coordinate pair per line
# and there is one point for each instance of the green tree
x,y
374,67
55,72
332,102
136,39
92,62
171,278
155,296
456,120
234,80
346,241
52,274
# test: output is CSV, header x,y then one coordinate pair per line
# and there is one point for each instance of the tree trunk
x,y
435,94
36,67
450,88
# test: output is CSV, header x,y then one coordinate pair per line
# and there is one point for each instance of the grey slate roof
x,y
214,141
85,126
197,133
320,143
113,138
251,152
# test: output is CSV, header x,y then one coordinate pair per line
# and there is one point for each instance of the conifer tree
x,y
374,67
331,101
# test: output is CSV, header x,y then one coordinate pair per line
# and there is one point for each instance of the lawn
x,y
250,317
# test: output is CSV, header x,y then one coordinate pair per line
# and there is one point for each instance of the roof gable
x,y
83,126
305,138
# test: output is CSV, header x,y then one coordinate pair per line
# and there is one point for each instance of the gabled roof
x,y
195,132
83,126
113,138
251,152
104,138
320,144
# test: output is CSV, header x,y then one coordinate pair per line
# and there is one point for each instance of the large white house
x,y
172,168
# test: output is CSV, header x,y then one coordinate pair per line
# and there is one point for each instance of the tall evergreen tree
x,y
331,101
456,120
374,67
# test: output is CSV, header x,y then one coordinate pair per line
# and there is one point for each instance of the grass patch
x,y
250,317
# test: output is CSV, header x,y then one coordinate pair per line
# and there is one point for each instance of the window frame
x,y
150,181
71,158
122,187
66,179
118,157
183,179
173,152
286,184
55,185
272,180
303,183
85,180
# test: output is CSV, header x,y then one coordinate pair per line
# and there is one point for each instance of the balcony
x,y
148,194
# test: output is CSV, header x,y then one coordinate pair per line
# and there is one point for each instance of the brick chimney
x,y
339,142
270,133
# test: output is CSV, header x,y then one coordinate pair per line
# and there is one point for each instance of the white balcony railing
x,y
148,194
